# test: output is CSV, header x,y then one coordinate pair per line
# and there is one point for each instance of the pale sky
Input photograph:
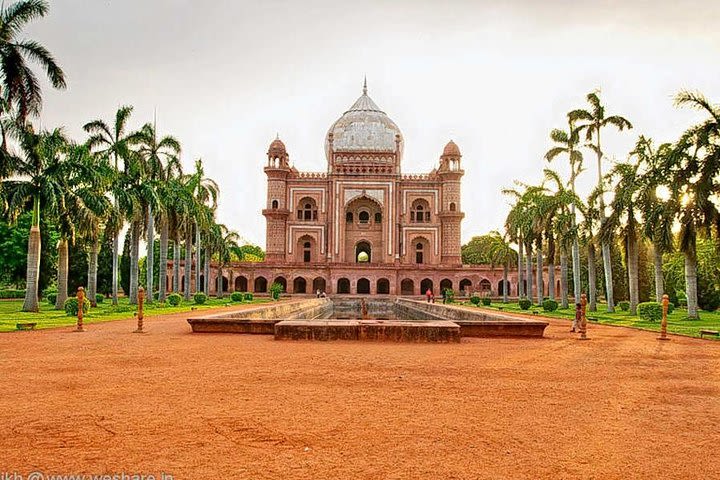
x,y
496,77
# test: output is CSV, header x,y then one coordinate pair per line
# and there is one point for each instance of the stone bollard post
x,y
663,325
141,300
583,318
81,302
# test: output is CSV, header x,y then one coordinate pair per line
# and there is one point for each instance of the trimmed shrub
x,y
624,305
650,311
12,293
681,299
486,301
275,290
99,298
475,300
71,306
236,297
449,295
200,298
51,297
671,308
174,299
248,297
525,303
549,305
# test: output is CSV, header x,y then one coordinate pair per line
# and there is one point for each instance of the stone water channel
x,y
370,319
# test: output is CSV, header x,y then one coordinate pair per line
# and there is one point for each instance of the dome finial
x,y
365,86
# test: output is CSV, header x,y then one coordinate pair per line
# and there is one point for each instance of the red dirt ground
x,y
201,406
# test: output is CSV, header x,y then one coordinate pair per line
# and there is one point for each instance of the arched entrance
x,y
225,284
343,285
407,287
503,288
363,252
426,285
363,286
260,285
445,284
241,284
299,285
465,286
281,281
383,286
318,284
485,286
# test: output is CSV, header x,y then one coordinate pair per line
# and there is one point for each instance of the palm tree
x,y
41,174
623,219
695,162
658,215
502,253
591,215
222,242
18,84
206,192
566,144
114,144
595,121
161,163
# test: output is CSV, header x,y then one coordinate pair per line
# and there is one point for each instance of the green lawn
x,y
677,321
48,317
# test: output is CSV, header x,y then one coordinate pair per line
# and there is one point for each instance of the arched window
x,y
274,204
452,206
420,211
349,217
306,252
363,217
419,253
307,210
363,252
378,217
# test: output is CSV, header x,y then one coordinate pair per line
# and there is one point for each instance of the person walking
x,y
578,317
444,296
429,295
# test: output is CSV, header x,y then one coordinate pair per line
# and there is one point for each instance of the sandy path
x,y
203,406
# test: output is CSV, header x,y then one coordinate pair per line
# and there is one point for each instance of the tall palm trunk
x,y
521,287
691,281
198,264
506,267
632,270
135,232
604,245
659,279
62,274
206,285
575,257
188,261
150,257
563,279
551,280
92,271
176,265
219,280
163,264
32,276
592,278
116,255
529,271
540,282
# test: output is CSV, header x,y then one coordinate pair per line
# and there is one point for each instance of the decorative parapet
x,y
313,175
417,176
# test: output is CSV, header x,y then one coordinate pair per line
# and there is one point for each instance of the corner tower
x,y
451,215
276,212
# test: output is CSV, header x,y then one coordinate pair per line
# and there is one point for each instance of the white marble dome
x,y
363,128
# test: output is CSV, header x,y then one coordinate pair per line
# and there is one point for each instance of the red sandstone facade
x,y
363,226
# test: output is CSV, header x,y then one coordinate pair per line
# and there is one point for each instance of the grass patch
x,y
48,317
677,321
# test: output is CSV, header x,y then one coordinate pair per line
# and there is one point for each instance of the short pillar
x,y
140,316
583,317
81,303
663,325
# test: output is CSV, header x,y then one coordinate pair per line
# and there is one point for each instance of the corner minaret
x,y
451,214
276,212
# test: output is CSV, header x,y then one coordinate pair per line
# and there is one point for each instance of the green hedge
x,y
99,298
51,297
475,300
12,293
248,297
71,306
624,305
200,298
650,311
237,297
486,301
